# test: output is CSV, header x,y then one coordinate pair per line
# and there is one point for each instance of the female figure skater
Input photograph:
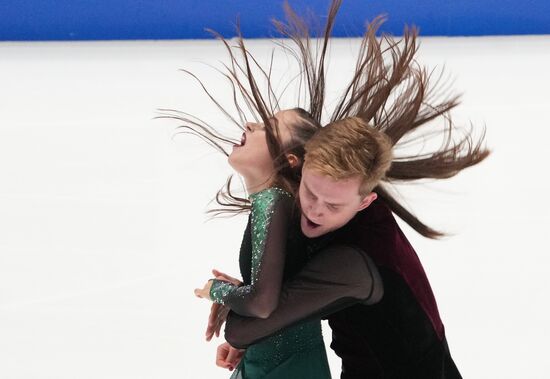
x,y
269,157
271,250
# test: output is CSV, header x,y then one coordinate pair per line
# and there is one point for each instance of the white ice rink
x,y
102,227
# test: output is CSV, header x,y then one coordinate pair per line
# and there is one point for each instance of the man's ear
x,y
293,160
367,200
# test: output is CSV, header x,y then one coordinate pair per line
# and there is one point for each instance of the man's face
x,y
329,204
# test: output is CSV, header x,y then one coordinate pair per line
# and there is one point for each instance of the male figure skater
x,y
364,275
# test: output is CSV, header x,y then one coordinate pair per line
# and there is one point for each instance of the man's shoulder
x,y
367,229
376,217
374,231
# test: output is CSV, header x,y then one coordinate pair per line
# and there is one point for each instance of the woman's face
x,y
251,158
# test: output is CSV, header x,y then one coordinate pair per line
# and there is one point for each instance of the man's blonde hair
x,y
350,148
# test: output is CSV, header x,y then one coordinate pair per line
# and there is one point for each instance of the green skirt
x,y
297,352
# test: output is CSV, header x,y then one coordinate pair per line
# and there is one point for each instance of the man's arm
x,y
337,277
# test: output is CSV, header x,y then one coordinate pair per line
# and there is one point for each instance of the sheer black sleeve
x,y
337,277
269,225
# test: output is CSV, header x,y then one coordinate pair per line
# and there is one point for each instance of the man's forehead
x,y
317,174
334,189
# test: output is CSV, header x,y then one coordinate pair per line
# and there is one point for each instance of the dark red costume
x,y
368,281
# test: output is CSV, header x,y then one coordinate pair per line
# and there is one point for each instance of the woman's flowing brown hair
x,y
389,90
241,74
393,93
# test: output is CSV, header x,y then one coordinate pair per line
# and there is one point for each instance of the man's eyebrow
x,y
307,187
331,204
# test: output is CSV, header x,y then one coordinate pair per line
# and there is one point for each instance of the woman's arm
x,y
269,224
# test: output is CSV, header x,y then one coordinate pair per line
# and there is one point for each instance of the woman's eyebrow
x,y
272,120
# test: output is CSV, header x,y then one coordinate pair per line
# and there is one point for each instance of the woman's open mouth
x,y
243,141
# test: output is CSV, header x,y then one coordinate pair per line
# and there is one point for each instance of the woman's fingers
x,y
223,276
204,293
221,355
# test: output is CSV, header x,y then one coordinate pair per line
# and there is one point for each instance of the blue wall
x,y
180,19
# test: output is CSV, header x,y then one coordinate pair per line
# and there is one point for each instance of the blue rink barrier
x,y
41,20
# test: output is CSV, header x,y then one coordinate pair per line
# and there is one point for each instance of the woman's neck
x,y
254,185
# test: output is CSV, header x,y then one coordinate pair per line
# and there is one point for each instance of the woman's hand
x,y
204,293
228,357
221,276
218,312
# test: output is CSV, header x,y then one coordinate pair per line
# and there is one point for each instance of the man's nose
x,y
316,209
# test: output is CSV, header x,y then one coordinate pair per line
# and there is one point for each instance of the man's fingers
x,y
213,316
213,329
218,327
210,331
222,315
216,318
212,321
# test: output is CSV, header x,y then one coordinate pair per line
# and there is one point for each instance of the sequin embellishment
x,y
263,206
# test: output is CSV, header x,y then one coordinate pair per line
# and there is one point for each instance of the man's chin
x,y
311,234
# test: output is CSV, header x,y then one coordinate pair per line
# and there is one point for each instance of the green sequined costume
x,y
272,251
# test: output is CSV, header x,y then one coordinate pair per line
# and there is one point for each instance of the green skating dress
x,y
271,252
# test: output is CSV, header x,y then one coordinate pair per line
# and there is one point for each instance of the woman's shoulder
x,y
270,196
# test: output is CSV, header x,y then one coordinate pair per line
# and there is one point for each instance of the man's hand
x,y
204,293
228,357
218,314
